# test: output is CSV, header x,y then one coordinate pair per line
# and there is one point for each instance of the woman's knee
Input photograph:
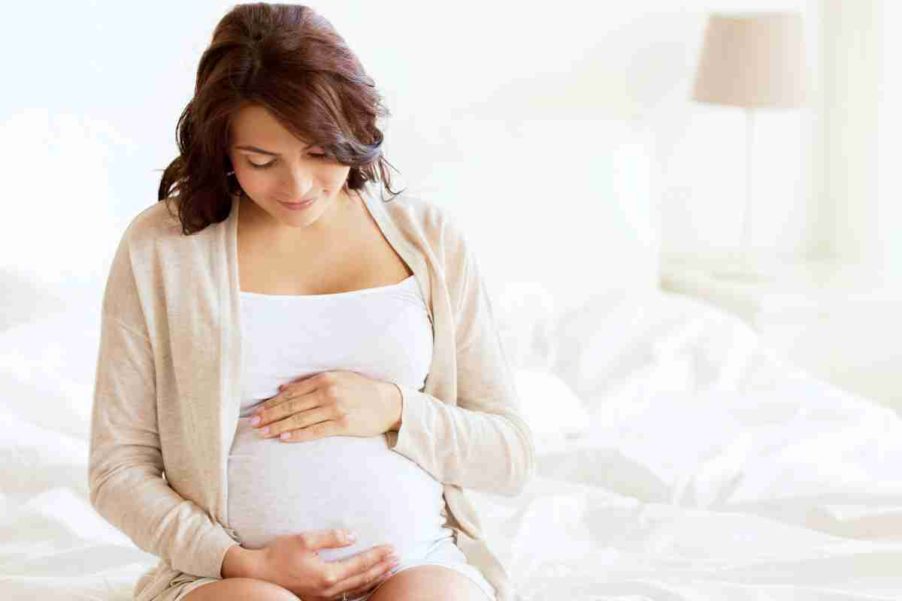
x,y
240,589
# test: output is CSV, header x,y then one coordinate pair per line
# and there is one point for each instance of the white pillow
x,y
549,406
656,341
524,313
593,341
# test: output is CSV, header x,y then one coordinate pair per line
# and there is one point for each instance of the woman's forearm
x,y
482,450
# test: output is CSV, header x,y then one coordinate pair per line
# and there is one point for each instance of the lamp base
x,y
744,268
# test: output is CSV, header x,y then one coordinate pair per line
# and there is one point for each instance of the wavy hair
x,y
290,60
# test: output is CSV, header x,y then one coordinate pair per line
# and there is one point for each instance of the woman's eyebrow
x,y
263,151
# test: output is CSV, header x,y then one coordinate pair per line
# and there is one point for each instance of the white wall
x,y
580,62
850,101
93,118
858,141
889,141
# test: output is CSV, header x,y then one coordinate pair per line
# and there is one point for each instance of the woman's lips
x,y
295,206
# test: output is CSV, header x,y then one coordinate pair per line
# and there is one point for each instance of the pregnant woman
x,y
286,359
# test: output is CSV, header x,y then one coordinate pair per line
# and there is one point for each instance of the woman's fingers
x,y
343,569
295,422
371,585
273,412
320,430
359,584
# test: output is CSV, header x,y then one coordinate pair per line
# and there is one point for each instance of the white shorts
x,y
443,553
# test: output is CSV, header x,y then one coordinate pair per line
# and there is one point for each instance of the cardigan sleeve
x,y
125,465
483,442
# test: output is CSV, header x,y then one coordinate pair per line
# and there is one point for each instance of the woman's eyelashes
x,y
271,163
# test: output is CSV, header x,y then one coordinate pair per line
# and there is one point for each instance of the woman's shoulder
x,y
158,226
417,214
153,222
409,208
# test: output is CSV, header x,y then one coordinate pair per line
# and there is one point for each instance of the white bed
x,y
679,459
708,469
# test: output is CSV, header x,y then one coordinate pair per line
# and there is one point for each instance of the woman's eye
x,y
264,166
271,163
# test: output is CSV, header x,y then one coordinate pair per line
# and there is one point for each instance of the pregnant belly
x,y
350,482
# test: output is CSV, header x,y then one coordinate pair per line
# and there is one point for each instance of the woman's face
x,y
273,166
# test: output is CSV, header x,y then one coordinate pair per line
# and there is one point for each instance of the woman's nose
x,y
299,183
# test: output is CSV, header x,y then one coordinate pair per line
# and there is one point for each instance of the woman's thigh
x,y
237,589
428,582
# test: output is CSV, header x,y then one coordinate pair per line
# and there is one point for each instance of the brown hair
x,y
290,60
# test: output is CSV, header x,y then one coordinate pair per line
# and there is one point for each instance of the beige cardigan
x,y
167,391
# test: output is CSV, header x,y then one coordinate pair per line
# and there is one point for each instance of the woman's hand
x,y
331,403
292,562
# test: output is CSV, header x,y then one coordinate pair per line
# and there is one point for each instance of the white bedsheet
x,y
710,469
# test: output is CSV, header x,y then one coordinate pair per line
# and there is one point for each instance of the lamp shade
x,y
752,61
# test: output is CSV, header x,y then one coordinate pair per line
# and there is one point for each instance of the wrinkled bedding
x,y
688,462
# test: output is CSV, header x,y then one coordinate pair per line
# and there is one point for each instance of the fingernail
x,y
255,420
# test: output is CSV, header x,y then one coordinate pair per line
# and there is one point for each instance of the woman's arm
x,y
483,442
125,462
242,563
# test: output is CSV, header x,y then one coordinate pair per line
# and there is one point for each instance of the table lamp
x,y
751,61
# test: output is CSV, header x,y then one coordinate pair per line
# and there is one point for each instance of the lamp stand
x,y
742,265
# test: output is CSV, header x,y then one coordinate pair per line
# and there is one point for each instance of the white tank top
x,y
351,482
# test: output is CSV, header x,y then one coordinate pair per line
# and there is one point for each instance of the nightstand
x,y
840,322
